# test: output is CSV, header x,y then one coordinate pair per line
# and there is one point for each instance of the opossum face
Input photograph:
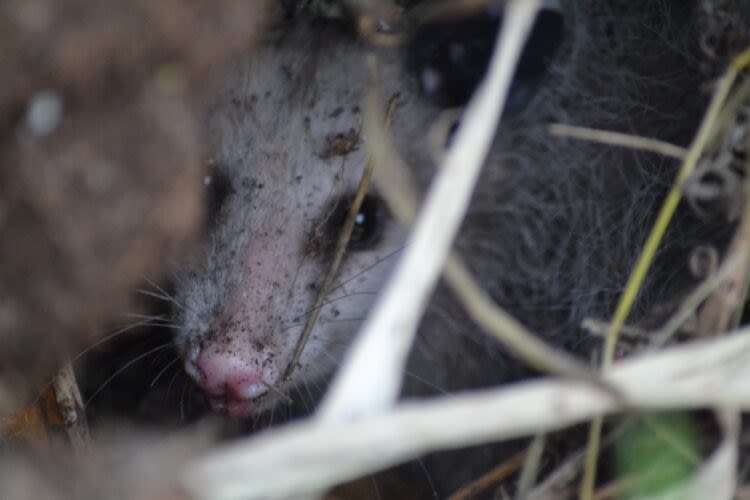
x,y
289,157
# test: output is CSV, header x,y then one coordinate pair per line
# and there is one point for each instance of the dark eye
x,y
451,133
450,55
218,188
368,224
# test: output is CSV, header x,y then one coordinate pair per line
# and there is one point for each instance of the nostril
x,y
243,388
256,390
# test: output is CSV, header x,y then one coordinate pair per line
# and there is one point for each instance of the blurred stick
x,y
618,139
70,406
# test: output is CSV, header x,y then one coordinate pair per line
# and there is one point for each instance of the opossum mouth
x,y
233,408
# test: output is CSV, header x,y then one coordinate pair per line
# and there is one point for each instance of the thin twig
x,y
277,391
71,408
618,139
493,477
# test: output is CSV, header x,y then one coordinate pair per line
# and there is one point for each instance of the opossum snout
x,y
233,375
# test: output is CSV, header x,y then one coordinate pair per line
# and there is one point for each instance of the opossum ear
x,y
450,55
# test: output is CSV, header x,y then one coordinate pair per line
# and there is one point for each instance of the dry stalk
x,y
618,139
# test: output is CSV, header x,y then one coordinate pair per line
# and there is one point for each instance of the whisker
x,y
326,322
182,402
427,476
276,390
328,302
377,263
155,295
375,486
154,318
273,413
158,375
164,294
313,390
158,360
346,320
172,299
296,324
174,377
190,396
256,422
125,367
144,322
426,382
300,399
177,278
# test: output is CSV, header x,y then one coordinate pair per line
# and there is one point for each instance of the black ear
x,y
450,56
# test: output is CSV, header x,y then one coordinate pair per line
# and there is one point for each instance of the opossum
x,y
552,233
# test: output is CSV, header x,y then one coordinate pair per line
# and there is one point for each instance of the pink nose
x,y
233,378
